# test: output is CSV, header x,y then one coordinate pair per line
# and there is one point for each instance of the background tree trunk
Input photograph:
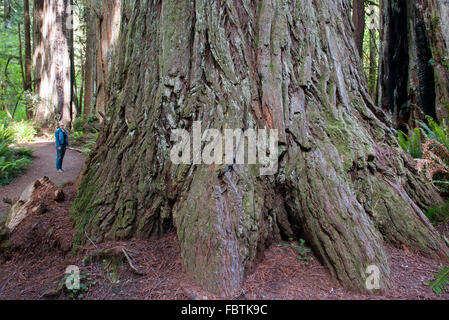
x,y
90,84
51,61
373,67
7,13
108,30
75,110
103,29
27,86
358,19
413,79
343,184
90,66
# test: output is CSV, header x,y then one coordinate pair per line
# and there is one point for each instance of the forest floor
x,y
44,164
152,269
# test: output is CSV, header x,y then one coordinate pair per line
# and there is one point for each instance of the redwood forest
x,y
224,150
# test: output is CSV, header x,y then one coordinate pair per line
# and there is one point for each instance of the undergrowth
x,y
303,253
13,160
441,282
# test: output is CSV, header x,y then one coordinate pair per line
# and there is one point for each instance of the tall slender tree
x,y
51,60
103,27
90,60
27,85
7,13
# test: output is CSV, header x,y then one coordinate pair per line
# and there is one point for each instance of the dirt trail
x,y
44,164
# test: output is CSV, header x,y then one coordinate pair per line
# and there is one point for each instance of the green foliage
x,y
434,23
430,131
92,120
77,135
443,186
303,253
441,282
435,152
445,62
78,125
412,144
23,131
12,160
86,283
93,136
6,136
438,213
11,86
433,131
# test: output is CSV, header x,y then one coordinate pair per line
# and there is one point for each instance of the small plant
x,y
435,163
86,283
23,131
445,62
412,144
433,131
78,125
303,253
6,136
438,213
441,282
12,160
92,120
93,136
78,135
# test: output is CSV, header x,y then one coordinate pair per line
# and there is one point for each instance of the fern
x,y
435,161
440,285
439,212
433,131
6,135
411,145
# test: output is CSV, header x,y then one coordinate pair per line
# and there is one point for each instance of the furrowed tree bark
x,y
414,73
51,60
343,184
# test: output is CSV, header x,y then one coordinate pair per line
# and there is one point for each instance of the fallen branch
x,y
130,263
90,240
112,252
75,149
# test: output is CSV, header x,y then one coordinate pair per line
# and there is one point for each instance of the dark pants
x,y
59,157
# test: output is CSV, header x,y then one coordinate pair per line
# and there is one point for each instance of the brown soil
x,y
154,269
44,164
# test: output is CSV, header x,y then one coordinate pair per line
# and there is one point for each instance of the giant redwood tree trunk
x,y
51,60
343,184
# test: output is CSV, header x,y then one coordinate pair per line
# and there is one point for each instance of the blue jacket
x,y
61,138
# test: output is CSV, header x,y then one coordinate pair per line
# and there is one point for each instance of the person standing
x,y
62,142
